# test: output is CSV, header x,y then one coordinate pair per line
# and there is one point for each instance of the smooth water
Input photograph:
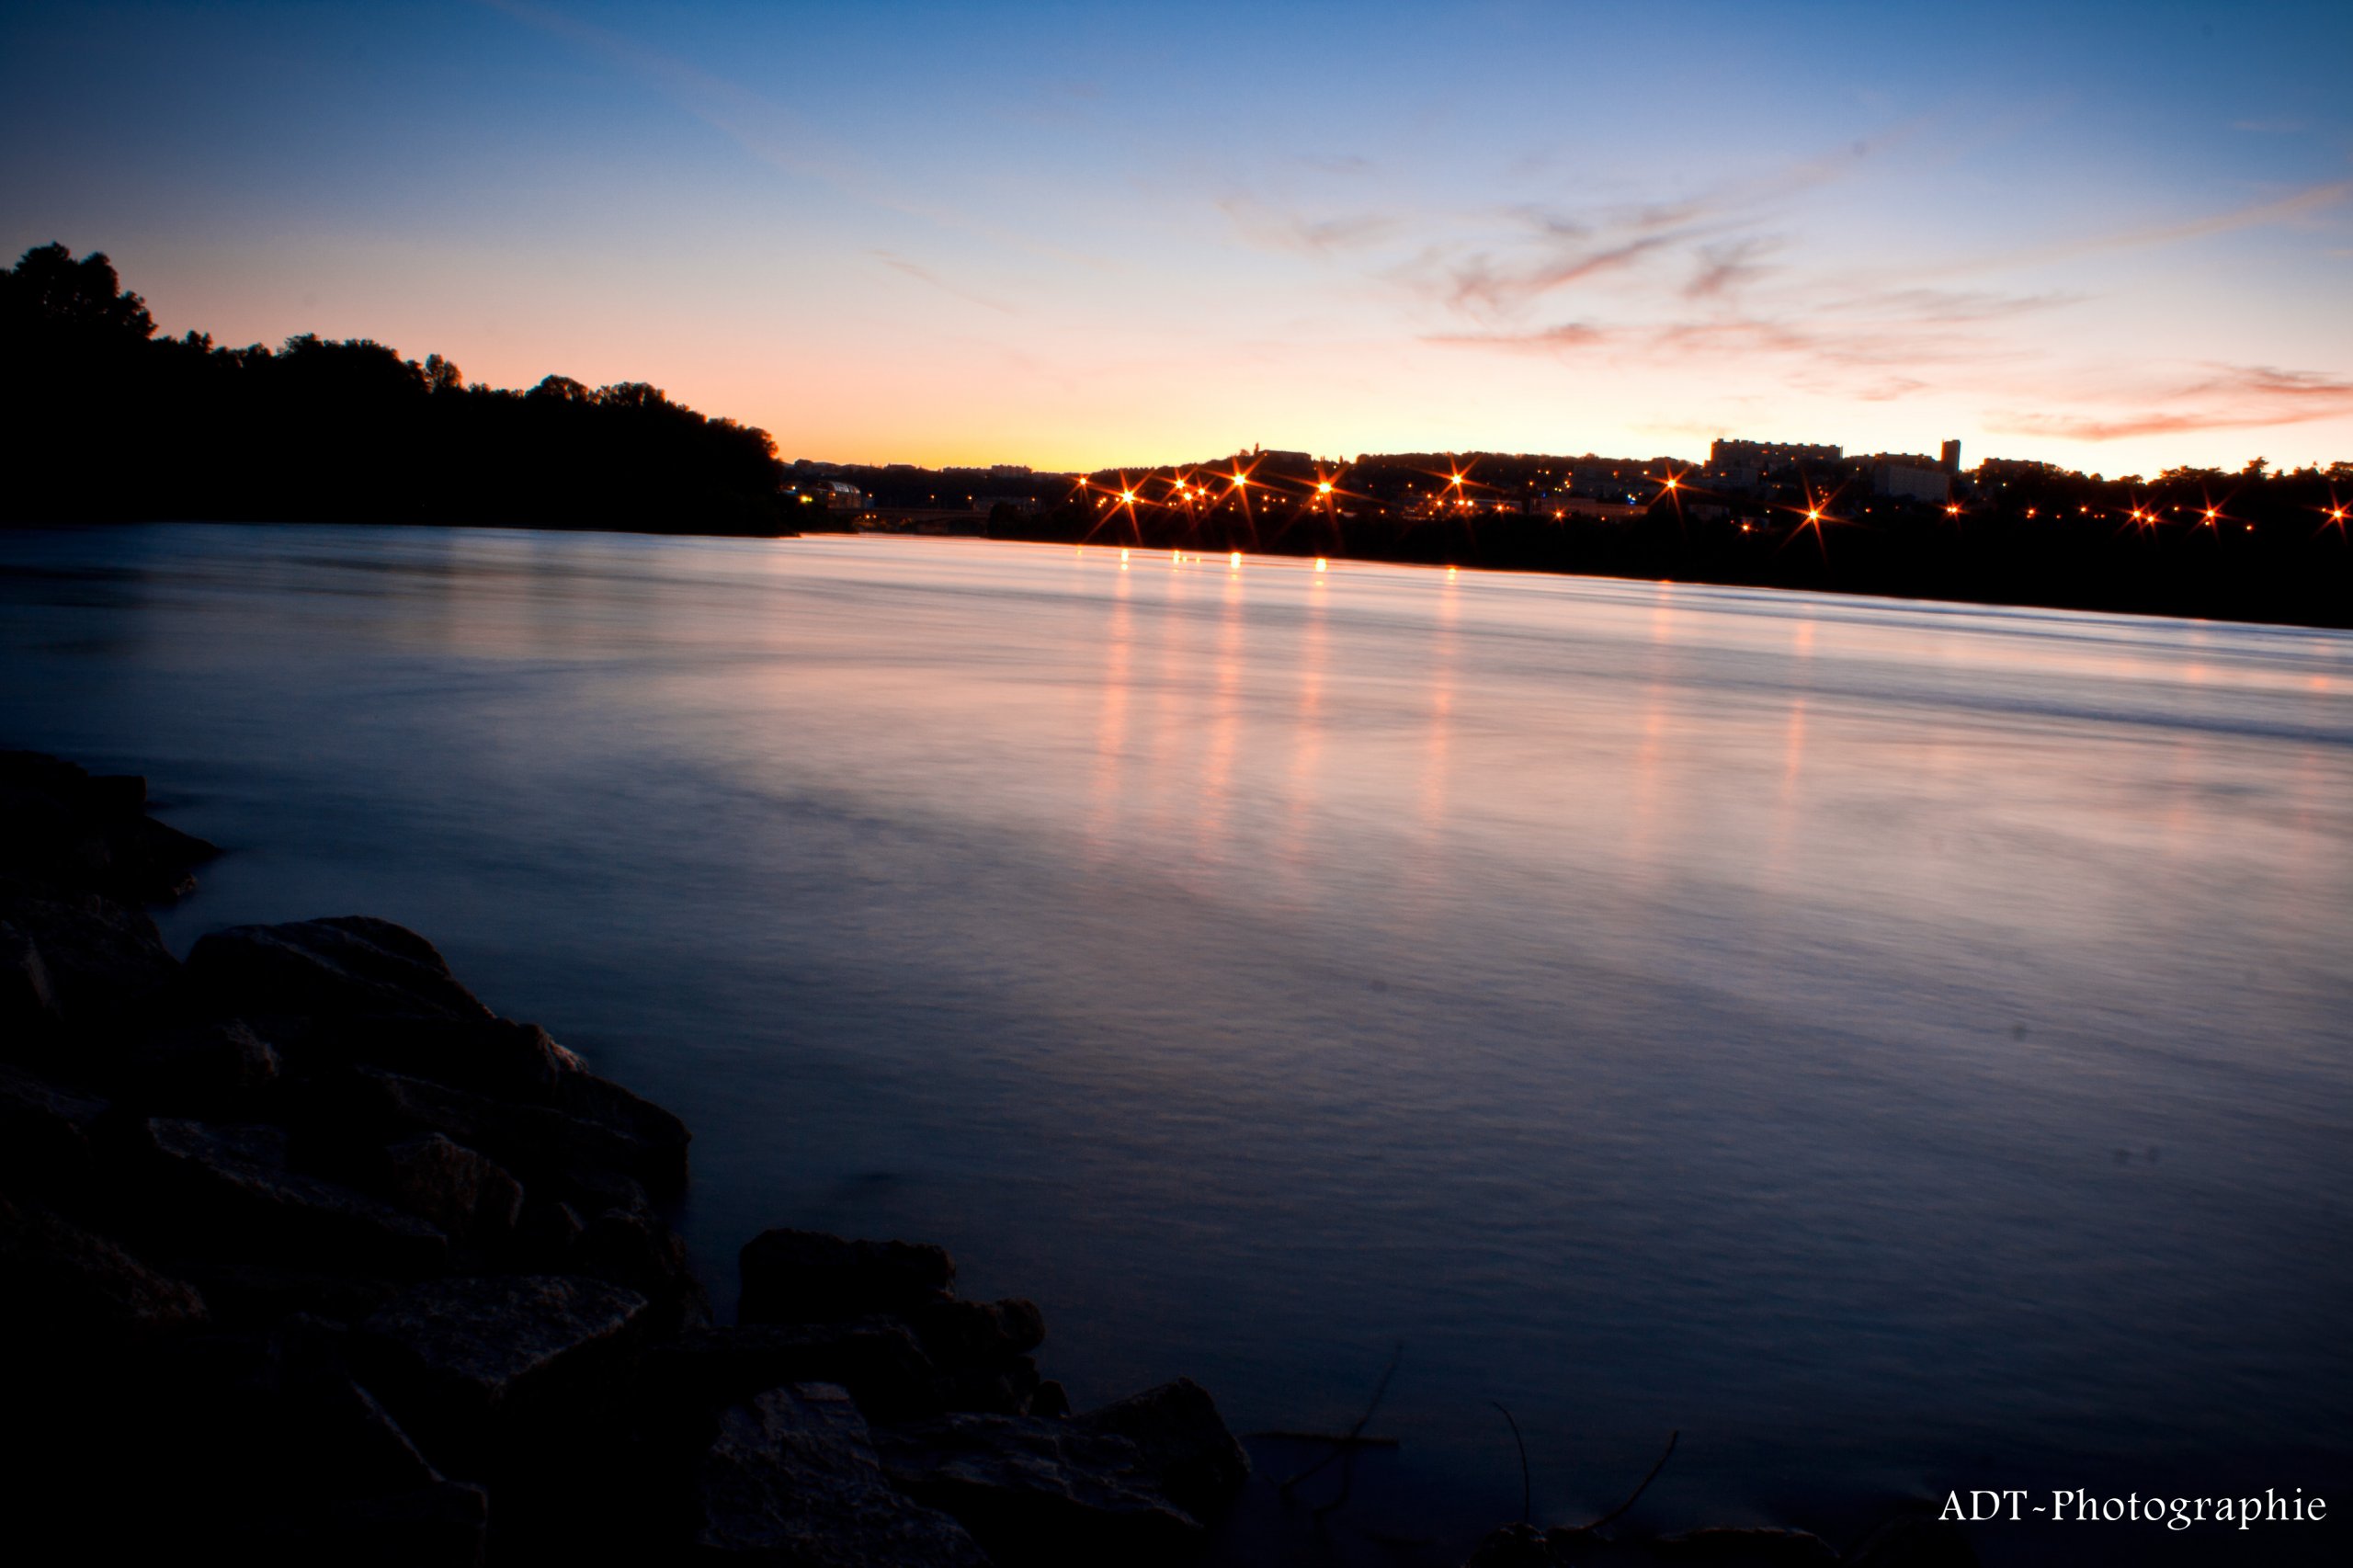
x,y
1901,1046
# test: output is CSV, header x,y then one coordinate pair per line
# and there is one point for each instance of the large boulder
x,y
28,1009
201,1068
61,825
979,1334
229,1192
468,1364
810,1276
487,1055
45,1134
338,967
879,1361
551,1150
462,1193
1032,1488
1182,1439
67,1288
634,1247
104,962
793,1478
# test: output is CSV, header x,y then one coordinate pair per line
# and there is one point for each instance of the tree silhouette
x,y
116,424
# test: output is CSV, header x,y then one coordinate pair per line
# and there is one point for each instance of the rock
x,y
105,962
27,1001
229,1190
630,1247
202,1069
979,1334
1523,1546
793,1478
662,1136
1050,1398
1916,1538
1513,1546
488,1056
260,1294
1177,1429
1747,1548
547,1233
1003,1390
464,1195
879,1361
45,1138
809,1277
334,967
444,1524
548,1149
1031,1489
60,825
66,1287
464,1363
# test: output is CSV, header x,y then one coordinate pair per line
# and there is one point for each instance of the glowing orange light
x,y
1323,488
1813,517
1234,560
1128,496
1672,481
1123,557
1319,564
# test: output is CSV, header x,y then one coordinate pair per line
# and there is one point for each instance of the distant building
x,y
1952,459
1907,477
843,496
1742,465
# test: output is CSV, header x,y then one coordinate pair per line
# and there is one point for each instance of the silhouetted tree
x,y
113,424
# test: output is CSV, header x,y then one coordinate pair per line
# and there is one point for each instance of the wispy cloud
x,y
922,274
2231,397
1270,227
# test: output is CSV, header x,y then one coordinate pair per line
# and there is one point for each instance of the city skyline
x,y
2112,238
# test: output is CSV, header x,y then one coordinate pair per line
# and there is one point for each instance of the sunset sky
x,y
2115,236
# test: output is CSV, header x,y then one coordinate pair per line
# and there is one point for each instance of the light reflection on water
x,y
1902,1045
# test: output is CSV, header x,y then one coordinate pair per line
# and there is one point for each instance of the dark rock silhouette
x,y
792,1477
388,1278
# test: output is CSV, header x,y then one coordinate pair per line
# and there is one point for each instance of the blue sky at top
x,y
2115,236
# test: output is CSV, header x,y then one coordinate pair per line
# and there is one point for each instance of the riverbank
x,y
315,1258
326,1261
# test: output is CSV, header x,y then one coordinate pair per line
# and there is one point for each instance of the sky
x,y
2117,237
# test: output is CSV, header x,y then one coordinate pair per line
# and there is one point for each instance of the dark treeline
x,y
2255,545
110,421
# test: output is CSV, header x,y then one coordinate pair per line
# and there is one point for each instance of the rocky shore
x,y
309,1256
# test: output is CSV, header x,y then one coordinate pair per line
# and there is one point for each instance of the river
x,y
1900,1046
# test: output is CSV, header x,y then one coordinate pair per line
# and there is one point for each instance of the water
x,y
1902,1047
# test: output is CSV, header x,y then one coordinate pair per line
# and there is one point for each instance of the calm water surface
x,y
1901,1046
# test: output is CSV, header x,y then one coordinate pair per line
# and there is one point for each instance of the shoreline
x,y
1928,602
414,1261
401,1270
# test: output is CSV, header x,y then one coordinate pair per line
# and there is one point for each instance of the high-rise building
x,y
1952,458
